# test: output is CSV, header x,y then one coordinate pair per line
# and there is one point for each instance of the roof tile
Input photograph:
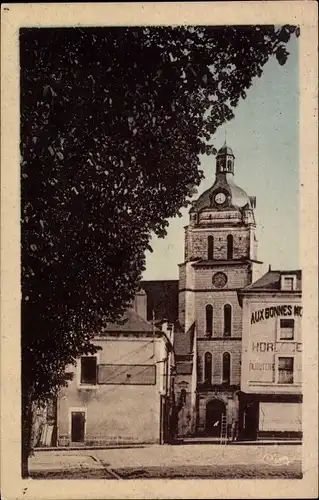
x,y
272,280
132,322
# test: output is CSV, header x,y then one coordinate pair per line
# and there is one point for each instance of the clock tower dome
x,y
220,259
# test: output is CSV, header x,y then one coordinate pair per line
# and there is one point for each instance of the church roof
x,y
203,201
239,197
130,322
225,150
162,298
272,281
225,181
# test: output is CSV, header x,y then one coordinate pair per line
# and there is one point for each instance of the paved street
x,y
209,461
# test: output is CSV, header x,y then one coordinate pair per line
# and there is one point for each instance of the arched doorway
x,y
215,409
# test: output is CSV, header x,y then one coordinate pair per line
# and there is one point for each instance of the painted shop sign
x,y
286,347
261,366
274,311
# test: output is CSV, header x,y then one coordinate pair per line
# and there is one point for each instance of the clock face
x,y
219,280
220,198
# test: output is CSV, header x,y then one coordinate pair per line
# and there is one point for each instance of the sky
x,y
264,136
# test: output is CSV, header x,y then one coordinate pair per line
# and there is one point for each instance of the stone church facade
x,y
220,259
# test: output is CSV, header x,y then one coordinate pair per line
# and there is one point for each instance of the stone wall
x,y
232,413
217,348
197,245
218,301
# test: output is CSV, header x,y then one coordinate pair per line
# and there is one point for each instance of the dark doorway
x,y
215,409
77,426
251,420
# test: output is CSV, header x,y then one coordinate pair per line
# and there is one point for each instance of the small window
x,y
209,319
226,368
89,370
230,241
220,164
182,397
227,320
288,283
285,370
229,165
287,327
210,248
208,361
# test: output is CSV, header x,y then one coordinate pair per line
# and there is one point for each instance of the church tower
x,y
220,259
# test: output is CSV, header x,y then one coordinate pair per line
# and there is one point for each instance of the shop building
x,y
271,368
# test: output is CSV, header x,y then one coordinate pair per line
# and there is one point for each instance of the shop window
x,y
287,328
209,319
226,368
208,362
230,242
210,248
88,370
285,370
227,320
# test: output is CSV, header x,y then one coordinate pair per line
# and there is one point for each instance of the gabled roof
x,y
162,298
272,281
132,322
183,341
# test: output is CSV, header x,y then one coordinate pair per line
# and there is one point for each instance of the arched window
x,y
227,320
210,248
209,319
229,165
208,359
226,368
230,241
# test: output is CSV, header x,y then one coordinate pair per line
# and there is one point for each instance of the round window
x,y
219,280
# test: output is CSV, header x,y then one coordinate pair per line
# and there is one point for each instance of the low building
x,y
271,380
122,394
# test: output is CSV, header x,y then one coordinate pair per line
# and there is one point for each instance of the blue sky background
x,y
264,136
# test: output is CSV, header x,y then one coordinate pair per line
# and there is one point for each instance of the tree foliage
x,y
113,122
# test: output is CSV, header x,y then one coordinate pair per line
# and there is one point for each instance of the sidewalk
x,y
208,440
92,447
178,442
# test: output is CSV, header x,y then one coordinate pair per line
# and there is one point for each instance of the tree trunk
x,y
26,431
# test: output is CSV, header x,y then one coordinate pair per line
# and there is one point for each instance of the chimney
x,y
140,304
